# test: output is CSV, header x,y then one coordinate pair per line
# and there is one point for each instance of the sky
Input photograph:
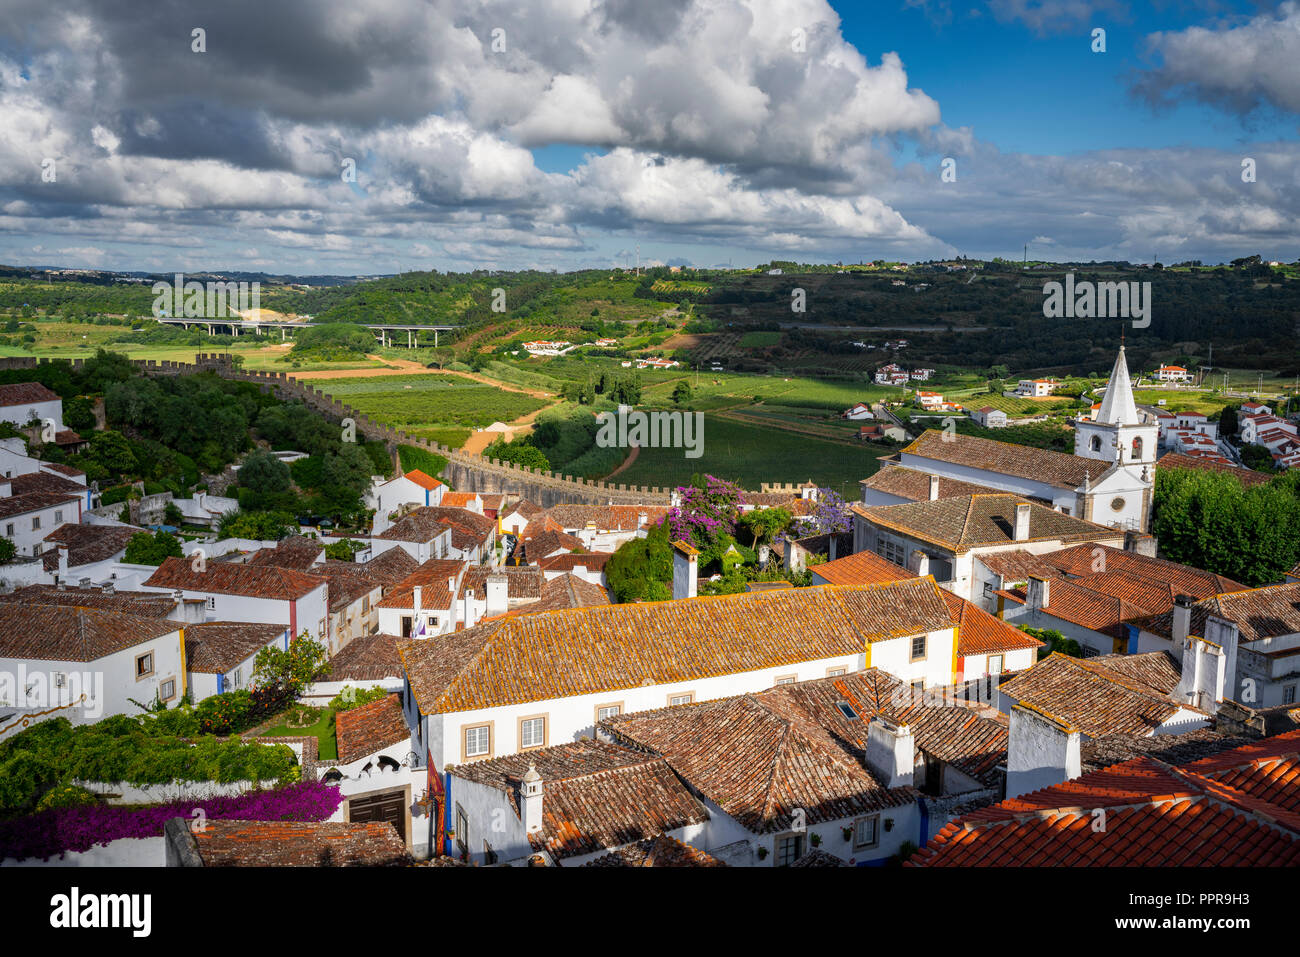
x,y
346,138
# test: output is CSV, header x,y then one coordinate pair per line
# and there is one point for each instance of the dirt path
x,y
627,463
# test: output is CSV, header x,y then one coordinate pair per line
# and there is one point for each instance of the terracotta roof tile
x,y
215,647
296,551
363,730
299,844
86,543
585,650
661,851
969,521
914,485
25,393
367,658
60,633
1054,468
979,633
432,578
1268,612
228,578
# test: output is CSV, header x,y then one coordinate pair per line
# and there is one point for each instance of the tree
x,y
264,474
682,392
7,551
520,452
345,550
642,569
707,510
1228,422
764,524
144,548
262,526
293,669
830,515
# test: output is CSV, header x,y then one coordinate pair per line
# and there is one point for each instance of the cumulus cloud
x,y
1235,67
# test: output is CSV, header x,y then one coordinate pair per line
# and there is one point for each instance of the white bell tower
x,y
1119,433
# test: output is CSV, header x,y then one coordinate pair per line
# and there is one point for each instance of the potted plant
x,y
815,839
847,831
762,853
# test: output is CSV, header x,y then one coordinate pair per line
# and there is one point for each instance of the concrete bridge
x,y
387,334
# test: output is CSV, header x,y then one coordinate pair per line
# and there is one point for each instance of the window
x,y
988,589
478,741
406,626
866,832
9,530
836,672
167,690
676,699
846,709
144,665
212,603
1137,447
489,855
36,522
1288,694
239,677
462,829
58,517
892,552
1117,504
788,849
918,647
532,732
604,711
786,679
995,664
1095,443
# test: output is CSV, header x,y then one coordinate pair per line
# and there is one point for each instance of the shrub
x,y
66,795
351,697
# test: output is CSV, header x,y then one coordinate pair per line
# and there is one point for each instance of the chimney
x,y
641,519
934,488
1182,618
83,583
1039,592
63,562
1022,521
416,603
468,615
1201,684
498,593
891,752
1041,752
919,563
531,801
108,588
686,570
1224,633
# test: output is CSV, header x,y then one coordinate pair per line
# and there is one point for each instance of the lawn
x,y
322,729
751,454
1180,400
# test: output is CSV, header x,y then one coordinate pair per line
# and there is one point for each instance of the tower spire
x,y
1117,406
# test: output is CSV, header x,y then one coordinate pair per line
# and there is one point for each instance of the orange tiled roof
x,y
229,578
1176,460
914,485
661,851
1155,815
299,844
979,633
587,650
422,479
861,568
60,633
370,727
215,647
1081,561
1268,612
432,578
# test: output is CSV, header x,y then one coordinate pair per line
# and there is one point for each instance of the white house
x,y
84,663
858,411
23,402
424,603
1172,374
1036,388
220,655
27,517
250,593
413,488
548,678
989,417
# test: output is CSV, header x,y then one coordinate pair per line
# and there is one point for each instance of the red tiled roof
x,y
1054,468
1268,612
1155,815
61,633
367,658
25,393
370,727
215,647
914,485
661,851
432,578
86,543
299,844
296,551
1176,460
592,561
229,578
860,568
422,479
979,633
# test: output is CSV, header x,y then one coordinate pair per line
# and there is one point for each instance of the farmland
x,y
751,454
441,407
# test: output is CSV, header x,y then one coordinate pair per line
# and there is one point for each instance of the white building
x,y
24,402
220,655
1172,374
989,417
413,489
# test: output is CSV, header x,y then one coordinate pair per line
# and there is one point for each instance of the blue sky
x,y
694,129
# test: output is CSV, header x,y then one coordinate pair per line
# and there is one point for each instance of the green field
x,y
760,340
751,455
417,402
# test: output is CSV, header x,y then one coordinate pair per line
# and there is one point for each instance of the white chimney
x,y
1224,633
685,570
1022,521
498,592
416,603
1201,684
1182,617
468,615
641,519
934,488
918,563
63,562
530,803
451,584
1041,752
891,752
1039,593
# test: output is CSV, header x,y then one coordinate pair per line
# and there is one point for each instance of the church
x,y
1108,479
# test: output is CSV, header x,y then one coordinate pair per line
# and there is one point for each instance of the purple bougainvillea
x,y
829,515
51,833
705,513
